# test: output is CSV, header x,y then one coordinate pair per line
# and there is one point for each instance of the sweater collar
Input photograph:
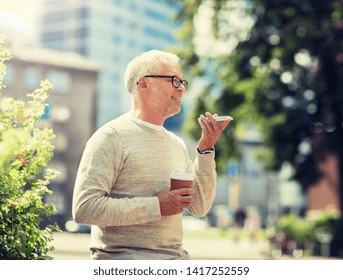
x,y
147,124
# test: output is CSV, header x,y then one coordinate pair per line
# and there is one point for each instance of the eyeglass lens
x,y
176,82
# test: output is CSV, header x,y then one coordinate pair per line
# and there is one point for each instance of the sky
x,y
24,9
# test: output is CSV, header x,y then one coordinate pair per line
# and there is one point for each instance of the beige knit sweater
x,y
124,166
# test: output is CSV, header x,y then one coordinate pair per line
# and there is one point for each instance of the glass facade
x,y
110,32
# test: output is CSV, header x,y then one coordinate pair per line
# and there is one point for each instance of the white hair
x,y
147,63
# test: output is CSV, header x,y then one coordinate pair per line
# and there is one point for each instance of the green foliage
x,y
25,150
296,228
283,77
304,231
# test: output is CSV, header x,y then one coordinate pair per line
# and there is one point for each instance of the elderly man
x,y
122,187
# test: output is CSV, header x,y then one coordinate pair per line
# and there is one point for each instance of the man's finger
x,y
205,125
225,123
184,191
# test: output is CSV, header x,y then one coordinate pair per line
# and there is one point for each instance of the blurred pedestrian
x,y
122,187
240,217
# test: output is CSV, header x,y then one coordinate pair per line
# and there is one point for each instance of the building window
x,y
61,168
133,25
81,32
150,13
117,20
153,32
116,58
60,80
61,114
132,6
53,36
10,75
32,77
118,2
81,13
117,39
55,17
116,77
83,50
132,43
61,142
58,45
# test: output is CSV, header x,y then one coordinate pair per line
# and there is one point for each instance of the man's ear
x,y
142,83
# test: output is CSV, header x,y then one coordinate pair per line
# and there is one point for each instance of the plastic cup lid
x,y
181,175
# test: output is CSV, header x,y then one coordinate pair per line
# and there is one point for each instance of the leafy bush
x,y
304,231
296,228
327,229
25,150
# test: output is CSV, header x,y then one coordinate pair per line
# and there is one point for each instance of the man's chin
x,y
175,112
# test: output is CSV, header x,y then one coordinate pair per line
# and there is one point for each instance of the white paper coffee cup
x,y
180,180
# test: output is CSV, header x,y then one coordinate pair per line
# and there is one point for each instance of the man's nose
x,y
182,88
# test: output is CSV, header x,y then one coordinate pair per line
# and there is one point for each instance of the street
x,y
74,246
207,255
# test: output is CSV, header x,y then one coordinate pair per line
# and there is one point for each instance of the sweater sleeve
x,y
99,167
205,176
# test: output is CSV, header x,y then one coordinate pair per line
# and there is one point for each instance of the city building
x,y
110,32
71,110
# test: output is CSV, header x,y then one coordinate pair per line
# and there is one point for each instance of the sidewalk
x,y
224,249
74,246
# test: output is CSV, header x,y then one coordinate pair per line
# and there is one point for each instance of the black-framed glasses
x,y
175,80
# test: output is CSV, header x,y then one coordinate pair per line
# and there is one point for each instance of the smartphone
x,y
221,118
